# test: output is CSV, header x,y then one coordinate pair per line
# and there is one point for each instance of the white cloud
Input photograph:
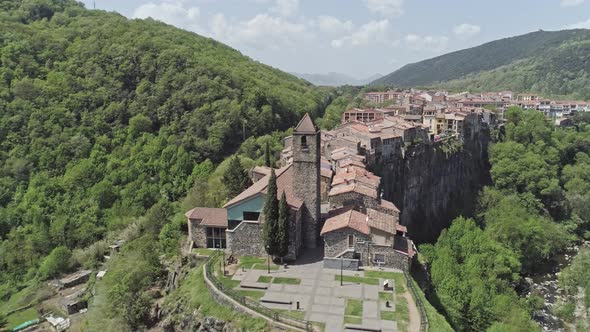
x,y
171,12
571,3
261,32
386,7
426,43
466,30
333,25
372,32
286,8
580,25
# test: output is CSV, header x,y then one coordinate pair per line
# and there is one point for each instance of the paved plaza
x,y
321,296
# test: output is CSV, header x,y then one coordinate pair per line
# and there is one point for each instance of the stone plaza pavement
x,y
322,297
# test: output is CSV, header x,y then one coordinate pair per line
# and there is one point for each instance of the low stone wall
x,y
345,263
393,258
246,239
226,300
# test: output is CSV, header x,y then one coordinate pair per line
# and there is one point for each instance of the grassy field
x,y
288,281
253,294
354,307
397,278
401,314
248,261
20,317
297,314
352,320
436,321
194,294
358,280
25,296
386,296
265,279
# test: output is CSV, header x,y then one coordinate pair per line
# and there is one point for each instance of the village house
x,y
320,177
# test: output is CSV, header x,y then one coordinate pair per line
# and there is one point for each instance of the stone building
x,y
238,226
373,238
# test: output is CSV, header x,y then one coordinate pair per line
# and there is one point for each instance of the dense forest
x,y
104,120
537,206
554,63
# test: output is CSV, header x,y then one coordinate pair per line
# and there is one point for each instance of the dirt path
x,y
414,315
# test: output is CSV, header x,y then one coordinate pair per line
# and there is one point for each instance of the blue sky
x,y
355,37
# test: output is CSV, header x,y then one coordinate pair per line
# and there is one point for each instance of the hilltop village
x,y
433,107
336,201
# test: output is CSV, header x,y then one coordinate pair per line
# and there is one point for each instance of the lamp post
x,y
223,253
341,268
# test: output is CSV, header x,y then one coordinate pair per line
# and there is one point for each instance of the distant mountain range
x,y
336,79
546,62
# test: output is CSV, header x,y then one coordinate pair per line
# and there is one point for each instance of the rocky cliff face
x,y
433,184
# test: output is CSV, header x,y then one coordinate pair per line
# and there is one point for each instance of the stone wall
x,y
360,201
345,263
433,184
393,259
246,239
306,184
336,242
197,233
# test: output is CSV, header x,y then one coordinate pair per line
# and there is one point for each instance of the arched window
x,y
304,142
351,241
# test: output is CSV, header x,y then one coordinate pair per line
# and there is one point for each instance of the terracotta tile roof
x,y
346,218
366,178
351,162
261,170
284,183
208,216
327,173
382,221
389,205
401,228
354,187
306,125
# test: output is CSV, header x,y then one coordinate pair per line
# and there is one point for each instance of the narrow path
x,y
414,315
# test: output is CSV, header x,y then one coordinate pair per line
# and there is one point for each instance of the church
x,y
334,204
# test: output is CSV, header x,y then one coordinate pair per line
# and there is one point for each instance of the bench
x,y
357,327
275,299
254,285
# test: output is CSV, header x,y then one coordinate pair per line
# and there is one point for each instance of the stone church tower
x,y
306,177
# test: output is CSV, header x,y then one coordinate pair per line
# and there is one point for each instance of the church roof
x,y
306,125
346,218
284,183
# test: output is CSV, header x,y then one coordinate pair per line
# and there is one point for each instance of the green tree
x,y
235,178
267,155
271,217
57,262
283,227
3,322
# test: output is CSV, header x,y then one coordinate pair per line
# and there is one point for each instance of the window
x,y
351,241
304,143
379,258
252,216
216,237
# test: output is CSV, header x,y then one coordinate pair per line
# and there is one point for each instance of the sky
x,y
355,37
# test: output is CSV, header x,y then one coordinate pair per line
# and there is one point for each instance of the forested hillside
x,y
104,118
563,72
548,62
537,206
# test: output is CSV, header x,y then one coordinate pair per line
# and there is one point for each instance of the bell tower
x,y
306,177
